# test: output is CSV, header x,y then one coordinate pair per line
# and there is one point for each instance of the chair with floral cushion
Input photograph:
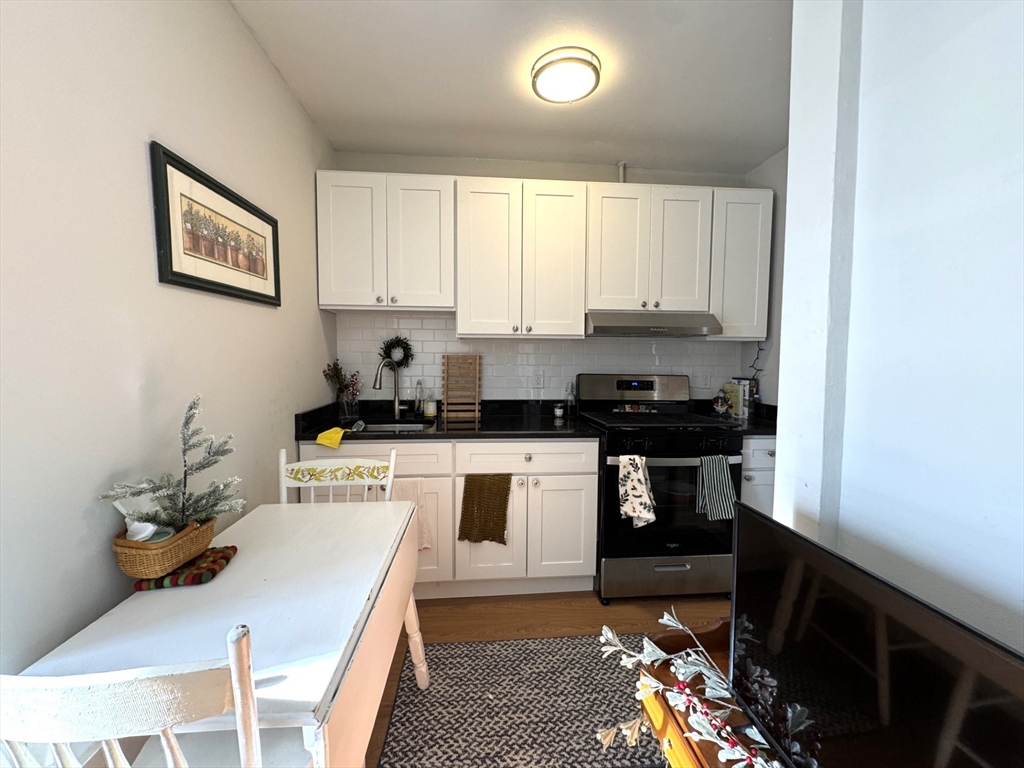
x,y
317,479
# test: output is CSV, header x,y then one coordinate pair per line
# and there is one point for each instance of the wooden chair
x,y
108,706
334,473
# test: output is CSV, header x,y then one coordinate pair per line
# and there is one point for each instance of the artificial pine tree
x,y
177,505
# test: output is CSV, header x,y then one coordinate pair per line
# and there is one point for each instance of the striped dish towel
x,y
716,496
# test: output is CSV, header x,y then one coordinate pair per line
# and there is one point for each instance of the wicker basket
x,y
142,560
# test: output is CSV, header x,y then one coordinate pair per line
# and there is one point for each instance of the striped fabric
x,y
716,496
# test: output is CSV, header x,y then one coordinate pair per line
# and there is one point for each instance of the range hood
x,y
652,324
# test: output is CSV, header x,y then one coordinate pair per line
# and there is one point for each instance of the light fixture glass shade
x,y
566,74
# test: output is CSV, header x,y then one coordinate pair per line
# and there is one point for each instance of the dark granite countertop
x,y
499,420
528,420
757,428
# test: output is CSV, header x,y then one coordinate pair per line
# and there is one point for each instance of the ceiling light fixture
x,y
566,74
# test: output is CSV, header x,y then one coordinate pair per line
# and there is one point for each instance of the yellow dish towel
x,y
332,437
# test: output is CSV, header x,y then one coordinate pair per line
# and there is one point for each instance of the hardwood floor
x,y
524,616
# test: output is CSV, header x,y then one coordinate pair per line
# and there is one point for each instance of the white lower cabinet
x,y
488,559
757,488
562,525
436,563
552,508
413,459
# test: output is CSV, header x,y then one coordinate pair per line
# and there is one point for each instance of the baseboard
x,y
434,590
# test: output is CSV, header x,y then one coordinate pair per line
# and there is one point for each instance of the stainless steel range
x,y
682,552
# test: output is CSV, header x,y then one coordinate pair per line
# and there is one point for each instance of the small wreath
x,y
398,350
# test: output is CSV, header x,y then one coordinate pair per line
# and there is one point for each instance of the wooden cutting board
x,y
460,394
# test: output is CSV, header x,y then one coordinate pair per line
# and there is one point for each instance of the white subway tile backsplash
x,y
509,364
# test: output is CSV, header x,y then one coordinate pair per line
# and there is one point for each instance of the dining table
x,y
324,589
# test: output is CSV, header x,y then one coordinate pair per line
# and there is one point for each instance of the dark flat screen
x,y
886,679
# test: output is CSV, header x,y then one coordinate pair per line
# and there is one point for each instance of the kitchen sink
x,y
400,427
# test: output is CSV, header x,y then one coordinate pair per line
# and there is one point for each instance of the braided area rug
x,y
517,704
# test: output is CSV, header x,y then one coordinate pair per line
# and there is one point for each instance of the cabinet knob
x,y
515,329
657,304
380,299
529,329
536,483
528,457
521,483
643,304
748,478
771,452
394,299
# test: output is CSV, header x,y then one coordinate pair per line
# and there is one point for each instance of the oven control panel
x,y
634,385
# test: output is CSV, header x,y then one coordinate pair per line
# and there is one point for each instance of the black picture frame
x,y
255,261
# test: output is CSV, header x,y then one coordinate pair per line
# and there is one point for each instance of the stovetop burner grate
x,y
658,421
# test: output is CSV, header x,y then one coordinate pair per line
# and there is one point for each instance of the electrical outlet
x,y
703,379
538,380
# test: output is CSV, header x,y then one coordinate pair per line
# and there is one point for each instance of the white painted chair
x,y
311,476
105,707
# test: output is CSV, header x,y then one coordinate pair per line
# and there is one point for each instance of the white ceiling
x,y
694,86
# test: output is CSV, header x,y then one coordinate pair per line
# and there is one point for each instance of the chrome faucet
x,y
377,378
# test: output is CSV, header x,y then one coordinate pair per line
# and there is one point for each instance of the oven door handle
x,y
613,461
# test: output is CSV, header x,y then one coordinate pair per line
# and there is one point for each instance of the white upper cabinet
x,y
385,241
421,241
554,257
741,262
489,239
351,229
680,249
619,246
532,257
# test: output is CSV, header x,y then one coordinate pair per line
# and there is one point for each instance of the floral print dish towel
x,y
635,499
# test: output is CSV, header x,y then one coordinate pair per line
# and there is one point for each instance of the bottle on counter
x,y
570,398
419,398
429,405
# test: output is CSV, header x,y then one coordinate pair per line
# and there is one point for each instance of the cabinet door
x,y
562,526
351,238
681,248
488,560
437,563
619,246
758,489
741,242
421,241
489,239
554,257
758,453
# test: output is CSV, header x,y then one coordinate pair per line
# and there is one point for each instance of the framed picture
x,y
208,237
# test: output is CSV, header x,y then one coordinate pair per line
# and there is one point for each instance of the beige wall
x,y
98,359
771,174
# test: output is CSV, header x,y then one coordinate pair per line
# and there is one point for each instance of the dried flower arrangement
x,y
346,386
702,693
